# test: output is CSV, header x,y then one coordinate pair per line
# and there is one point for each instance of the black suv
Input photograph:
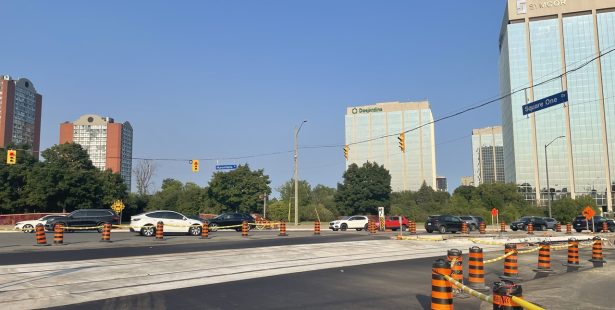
x,y
538,222
91,218
230,219
580,223
443,224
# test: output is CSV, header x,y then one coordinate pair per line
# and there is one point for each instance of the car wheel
x,y
148,231
100,227
404,228
579,230
612,229
213,227
429,231
472,227
28,228
195,230
366,227
515,229
335,229
343,227
543,227
359,229
442,229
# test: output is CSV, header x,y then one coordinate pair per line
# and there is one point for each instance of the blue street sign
x,y
226,167
545,103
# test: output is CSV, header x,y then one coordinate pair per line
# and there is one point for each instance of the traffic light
x,y
11,157
195,165
346,149
402,142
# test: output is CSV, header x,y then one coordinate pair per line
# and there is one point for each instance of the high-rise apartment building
x,y
488,155
441,184
109,144
547,47
372,135
20,113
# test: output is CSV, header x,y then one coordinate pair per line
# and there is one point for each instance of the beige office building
x,y
548,47
372,135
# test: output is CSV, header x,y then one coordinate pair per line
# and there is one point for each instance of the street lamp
x,y
297,173
547,168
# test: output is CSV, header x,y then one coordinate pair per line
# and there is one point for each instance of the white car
x,y
174,222
358,222
30,226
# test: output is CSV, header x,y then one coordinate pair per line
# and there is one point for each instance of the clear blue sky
x,y
214,79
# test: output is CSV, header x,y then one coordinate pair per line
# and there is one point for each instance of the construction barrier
x,y
441,288
316,228
476,269
530,229
558,227
502,227
244,229
597,257
511,264
456,262
605,227
573,263
40,235
482,228
544,258
282,229
58,234
464,228
205,231
412,227
568,229
502,296
159,231
106,233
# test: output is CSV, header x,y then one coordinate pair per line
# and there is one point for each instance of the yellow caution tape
x,y
487,242
525,304
530,250
499,258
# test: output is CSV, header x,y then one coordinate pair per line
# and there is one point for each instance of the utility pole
x,y
550,198
297,173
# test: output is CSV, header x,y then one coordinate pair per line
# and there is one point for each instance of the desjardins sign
x,y
366,110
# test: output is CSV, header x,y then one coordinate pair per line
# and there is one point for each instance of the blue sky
x,y
219,79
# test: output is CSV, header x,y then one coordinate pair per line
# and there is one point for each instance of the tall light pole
x,y
547,168
297,129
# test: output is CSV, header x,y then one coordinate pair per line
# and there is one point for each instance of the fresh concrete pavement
x,y
229,261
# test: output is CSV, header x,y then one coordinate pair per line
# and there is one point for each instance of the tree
x,y
143,172
239,190
364,189
287,192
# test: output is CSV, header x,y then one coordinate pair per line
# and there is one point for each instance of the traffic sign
x,y
588,212
545,103
494,211
226,167
118,206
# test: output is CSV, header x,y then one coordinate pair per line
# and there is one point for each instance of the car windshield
x,y
465,217
344,217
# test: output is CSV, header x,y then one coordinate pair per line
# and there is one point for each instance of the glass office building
x,y
372,135
488,155
540,42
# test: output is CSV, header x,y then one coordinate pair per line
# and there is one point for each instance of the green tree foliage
x,y
65,181
566,209
188,199
239,190
364,189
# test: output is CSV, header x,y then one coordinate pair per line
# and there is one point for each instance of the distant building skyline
x,y
108,144
20,114
467,181
488,155
538,45
382,123
441,184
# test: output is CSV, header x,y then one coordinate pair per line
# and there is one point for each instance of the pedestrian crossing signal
x,y
402,142
195,165
346,149
11,157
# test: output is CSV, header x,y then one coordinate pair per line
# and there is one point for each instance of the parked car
x,y
473,221
551,222
230,219
443,223
29,226
392,222
358,222
521,224
580,223
85,218
174,222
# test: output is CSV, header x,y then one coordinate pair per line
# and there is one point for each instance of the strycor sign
x,y
545,103
523,6
366,110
